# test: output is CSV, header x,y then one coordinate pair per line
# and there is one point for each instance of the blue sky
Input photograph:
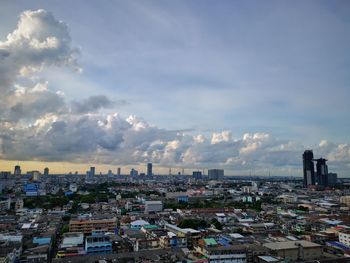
x,y
274,67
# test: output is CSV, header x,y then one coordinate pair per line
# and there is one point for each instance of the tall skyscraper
x,y
308,168
92,171
216,174
17,170
321,172
149,169
46,171
119,170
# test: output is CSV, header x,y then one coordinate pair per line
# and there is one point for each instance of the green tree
x,y
64,229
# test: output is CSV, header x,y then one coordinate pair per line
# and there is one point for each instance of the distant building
x,y
31,189
90,174
308,168
5,204
119,171
321,172
92,171
134,172
5,175
18,170
110,174
35,175
73,187
46,171
216,174
345,200
153,206
332,179
149,169
197,175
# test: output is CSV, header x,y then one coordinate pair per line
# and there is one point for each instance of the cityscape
x,y
174,131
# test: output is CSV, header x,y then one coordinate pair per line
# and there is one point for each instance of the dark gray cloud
x,y
95,103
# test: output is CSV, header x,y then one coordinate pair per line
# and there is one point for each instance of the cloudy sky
x,y
242,85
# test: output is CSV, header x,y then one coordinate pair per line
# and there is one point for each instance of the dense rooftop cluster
x,y
182,218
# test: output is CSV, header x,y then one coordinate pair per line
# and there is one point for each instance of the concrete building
x,y
138,224
216,174
321,172
308,168
332,179
31,189
345,200
87,225
344,237
72,245
197,175
295,250
5,204
149,169
73,187
35,175
153,206
98,244
133,172
17,170
217,253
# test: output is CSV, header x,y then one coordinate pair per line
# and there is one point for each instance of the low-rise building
x,y
98,244
344,237
217,253
153,206
72,245
295,250
88,224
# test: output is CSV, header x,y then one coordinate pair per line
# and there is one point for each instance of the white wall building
x,y
344,237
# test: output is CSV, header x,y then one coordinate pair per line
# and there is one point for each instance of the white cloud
x,y
39,40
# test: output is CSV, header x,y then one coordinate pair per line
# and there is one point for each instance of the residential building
x,y
295,250
344,237
308,168
87,225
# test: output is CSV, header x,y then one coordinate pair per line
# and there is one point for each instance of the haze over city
x,y
239,85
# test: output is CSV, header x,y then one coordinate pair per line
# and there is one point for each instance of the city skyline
x,y
179,85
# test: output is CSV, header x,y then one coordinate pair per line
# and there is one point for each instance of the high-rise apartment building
x,y
308,168
216,174
92,171
46,171
149,169
321,172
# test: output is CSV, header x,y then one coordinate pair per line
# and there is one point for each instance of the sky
x,y
239,85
